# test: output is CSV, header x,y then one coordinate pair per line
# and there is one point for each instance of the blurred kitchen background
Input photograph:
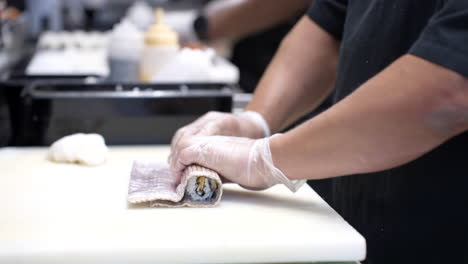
x,y
133,71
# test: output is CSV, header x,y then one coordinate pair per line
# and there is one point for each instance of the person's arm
x,y
414,105
301,75
238,18
394,118
397,116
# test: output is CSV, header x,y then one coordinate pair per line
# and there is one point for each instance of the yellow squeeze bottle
x,y
161,45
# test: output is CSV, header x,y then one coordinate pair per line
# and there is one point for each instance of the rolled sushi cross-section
x,y
201,188
154,183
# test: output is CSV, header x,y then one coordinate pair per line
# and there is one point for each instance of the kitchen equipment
x,y
13,42
161,45
5,119
197,66
65,213
45,14
124,52
69,62
123,114
69,53
14,82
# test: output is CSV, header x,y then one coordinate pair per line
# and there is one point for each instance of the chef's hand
x,y
247,162
246,124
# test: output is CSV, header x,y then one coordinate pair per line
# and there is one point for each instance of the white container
x,y
124,52
161,46
197,66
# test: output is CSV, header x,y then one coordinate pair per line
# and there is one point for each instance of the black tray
x,y
122,113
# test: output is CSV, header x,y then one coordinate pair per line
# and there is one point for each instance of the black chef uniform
x,y
416,213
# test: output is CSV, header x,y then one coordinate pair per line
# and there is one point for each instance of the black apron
x,y
416,213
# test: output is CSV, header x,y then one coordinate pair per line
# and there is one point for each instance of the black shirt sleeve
x,y
444,41
329,15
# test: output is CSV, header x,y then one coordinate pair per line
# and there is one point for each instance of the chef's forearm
x,y
238,18
300,77
402,113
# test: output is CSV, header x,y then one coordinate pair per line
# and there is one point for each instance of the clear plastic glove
x,y
246,124
244,161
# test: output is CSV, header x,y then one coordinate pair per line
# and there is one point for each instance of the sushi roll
x,y
200,188
154,183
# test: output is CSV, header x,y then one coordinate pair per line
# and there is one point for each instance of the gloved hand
x,y
247,162
246,124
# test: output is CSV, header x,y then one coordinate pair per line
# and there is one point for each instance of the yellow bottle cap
x,y
160,34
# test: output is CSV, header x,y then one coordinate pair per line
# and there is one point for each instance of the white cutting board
x,y
65,213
